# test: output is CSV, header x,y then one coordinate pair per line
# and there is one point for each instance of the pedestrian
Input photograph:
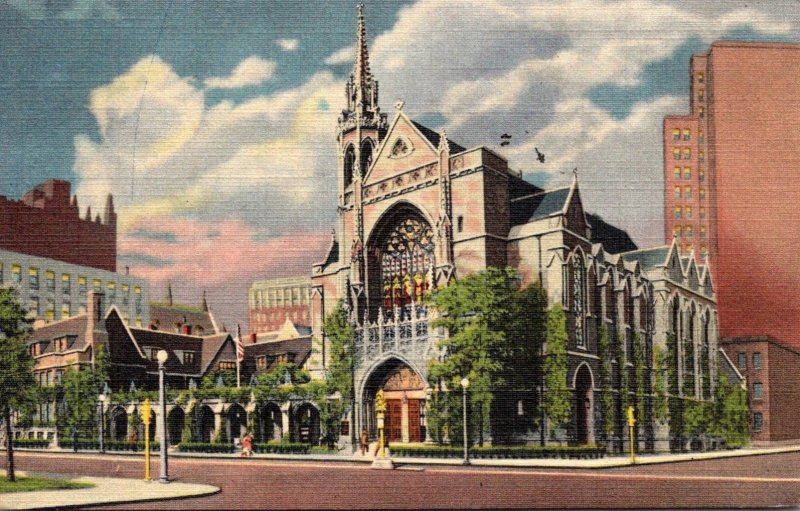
x,y
247,445
74,439
364,439
133,439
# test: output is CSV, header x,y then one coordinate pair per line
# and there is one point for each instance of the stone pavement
x,y
107,490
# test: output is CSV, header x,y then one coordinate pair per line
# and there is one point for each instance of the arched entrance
x,y
175,425
270,423
119,424
584,412
205,423
237,422
307,424
404,392
400,259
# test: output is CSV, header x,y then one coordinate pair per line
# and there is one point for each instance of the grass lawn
x,y
40,483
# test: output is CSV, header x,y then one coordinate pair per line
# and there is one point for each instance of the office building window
x,y
688,231
50,280
16,274
676,153
51,309
97,285
687,192
704,251
687,135
676,231
701,156
66,283
758,390
111,289
687,172
688,212
702,112
701,174
33,306
702,213
33,278
676,134
742,361
125,292
701,137
702,232
677,193
756,360
758,422
677,212
65,309
82,286
676,172
700,77
687,153
701,94
702,194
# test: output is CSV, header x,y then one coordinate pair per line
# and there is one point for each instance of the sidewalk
x,y
346,457
107,490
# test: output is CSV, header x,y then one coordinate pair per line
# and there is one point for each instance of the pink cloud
x,y
223,258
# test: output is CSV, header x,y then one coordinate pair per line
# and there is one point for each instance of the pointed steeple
x,y
109,216
88,213
361,70
169,292
205,303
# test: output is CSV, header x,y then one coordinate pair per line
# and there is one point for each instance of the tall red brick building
x,y
733,182
46,223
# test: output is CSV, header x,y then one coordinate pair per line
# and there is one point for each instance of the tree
x,y
557,400
606,382
16,378
210,379
730,412
341,369
495,335
81,387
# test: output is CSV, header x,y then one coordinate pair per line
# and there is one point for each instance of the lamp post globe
x,y
162,357
464,387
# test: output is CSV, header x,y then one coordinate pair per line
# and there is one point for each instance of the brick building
x,y
732,183
46,223
770,370
273,301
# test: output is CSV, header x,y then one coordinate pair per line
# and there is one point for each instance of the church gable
x,y
575,217
404,148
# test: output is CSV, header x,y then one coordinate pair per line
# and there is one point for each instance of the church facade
x,y
417,210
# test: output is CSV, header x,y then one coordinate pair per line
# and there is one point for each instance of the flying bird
x,y
505,136
539,156
504,143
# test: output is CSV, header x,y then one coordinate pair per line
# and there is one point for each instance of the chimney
x,y
253,338
95,324
187,329
127,270
169,292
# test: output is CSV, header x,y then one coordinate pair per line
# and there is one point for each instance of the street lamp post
x,y
101,401
464,385
162,417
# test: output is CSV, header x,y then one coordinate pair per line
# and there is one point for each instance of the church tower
x,y
360,130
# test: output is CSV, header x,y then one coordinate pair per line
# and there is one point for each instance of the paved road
x,y
759,481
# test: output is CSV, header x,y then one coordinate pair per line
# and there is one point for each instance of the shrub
x,y
205,447
501,452
282,448
31,443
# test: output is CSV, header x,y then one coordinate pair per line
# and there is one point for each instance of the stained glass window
x,y
406,261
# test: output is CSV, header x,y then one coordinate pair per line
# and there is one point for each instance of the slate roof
x,y
648,258
211,346
613,239
75,325
518,187
434,139
301,347
170,315
538,206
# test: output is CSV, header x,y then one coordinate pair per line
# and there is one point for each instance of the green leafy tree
x,y
557,399
16,377
475,310
81,386
731,413
606,375
341,337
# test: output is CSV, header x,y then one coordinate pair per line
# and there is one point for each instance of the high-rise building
x,y
273,301
732,181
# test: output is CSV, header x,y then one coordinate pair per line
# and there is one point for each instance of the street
x,y
754,481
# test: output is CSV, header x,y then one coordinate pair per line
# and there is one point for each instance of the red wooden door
x,y
414,433
394,420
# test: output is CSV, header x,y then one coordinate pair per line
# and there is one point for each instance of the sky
x,y
212,123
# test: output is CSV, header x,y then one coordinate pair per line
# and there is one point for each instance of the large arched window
x,y
406,260
349,163
578,298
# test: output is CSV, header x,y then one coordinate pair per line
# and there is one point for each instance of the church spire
x,y
361,72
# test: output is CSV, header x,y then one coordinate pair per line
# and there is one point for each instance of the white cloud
x,y
288,44
345,55
266,159
251,71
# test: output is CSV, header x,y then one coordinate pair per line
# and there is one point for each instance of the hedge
x,y
205,447
32,443
497,452
282,448
90,444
